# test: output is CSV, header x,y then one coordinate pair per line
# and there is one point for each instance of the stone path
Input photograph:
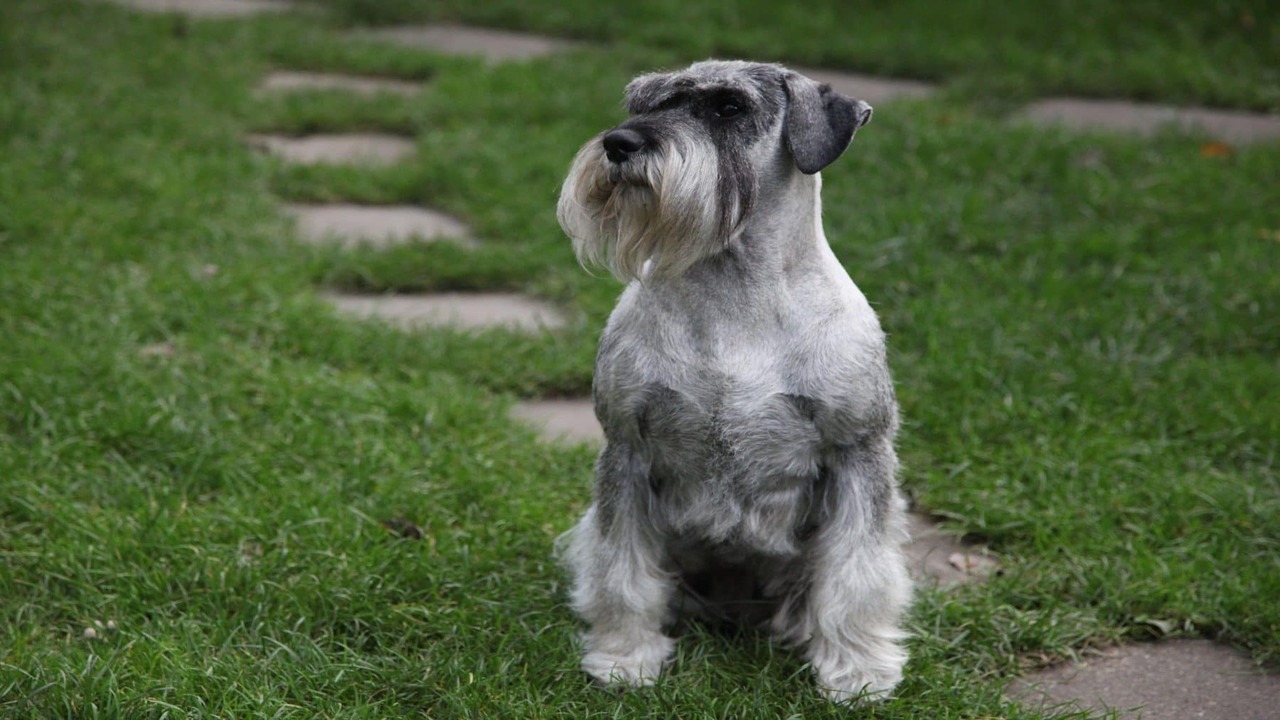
x,y
377,225
350,225
492,45
463,311
209,8
1168,680
941,558
1146,119
283,81
337,149
570,420
1174,679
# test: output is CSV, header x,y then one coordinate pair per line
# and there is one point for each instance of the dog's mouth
x,y
624,175
617,183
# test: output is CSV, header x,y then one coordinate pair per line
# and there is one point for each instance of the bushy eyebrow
x,y
674,92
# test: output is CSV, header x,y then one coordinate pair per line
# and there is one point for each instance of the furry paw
x,y
638,667
857,688
848,676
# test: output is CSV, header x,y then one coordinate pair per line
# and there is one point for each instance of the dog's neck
x,y
783,238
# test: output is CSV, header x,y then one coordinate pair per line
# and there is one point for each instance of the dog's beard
x,y
651,217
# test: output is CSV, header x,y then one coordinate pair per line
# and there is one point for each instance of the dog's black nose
x,y
621,144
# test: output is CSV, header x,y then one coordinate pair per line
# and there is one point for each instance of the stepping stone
x,y
377,225
279,81
208,8
938,557
350,148
1168,680
492,45
1143,119
463,311
562,420
160,349
865,87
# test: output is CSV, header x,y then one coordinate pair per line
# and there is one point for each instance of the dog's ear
x,y
820,122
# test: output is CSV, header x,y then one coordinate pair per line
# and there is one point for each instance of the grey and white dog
x,y
742,385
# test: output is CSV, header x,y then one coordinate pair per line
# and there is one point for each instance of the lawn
x,y
199,455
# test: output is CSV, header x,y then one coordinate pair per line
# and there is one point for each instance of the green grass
x,y
1085,332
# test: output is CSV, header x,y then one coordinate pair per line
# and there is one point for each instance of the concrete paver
x,y
1168,680
209,8
938,557
465,311
379,225
283,81
348,148
562,420
866,87
492,45
1145,119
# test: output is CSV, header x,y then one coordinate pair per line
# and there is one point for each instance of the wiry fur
x,y
742,384
620,217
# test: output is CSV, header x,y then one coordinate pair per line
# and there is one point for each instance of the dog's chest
x,y
733,394
734,467
733,445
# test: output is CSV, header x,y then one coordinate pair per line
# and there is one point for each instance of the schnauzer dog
x,y
742,384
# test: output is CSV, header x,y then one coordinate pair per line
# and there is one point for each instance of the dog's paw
x,y
858,687
848,676
638,667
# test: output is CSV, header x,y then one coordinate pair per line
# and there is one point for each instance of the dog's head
x,y
680,179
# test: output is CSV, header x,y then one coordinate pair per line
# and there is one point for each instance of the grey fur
x,y
742,385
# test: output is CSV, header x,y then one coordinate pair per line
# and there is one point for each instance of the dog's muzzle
x,y
622,143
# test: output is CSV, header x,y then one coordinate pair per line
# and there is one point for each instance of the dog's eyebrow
x,y
645,97
664,99
725,91
671,100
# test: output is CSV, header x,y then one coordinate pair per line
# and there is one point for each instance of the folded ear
x,y
820,122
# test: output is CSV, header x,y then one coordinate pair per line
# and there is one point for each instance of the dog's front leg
x,y
859,586
621,585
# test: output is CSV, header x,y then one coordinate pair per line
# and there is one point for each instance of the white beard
x,y
651,217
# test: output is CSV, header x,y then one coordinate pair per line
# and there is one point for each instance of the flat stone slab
x,y
562,420
208,8
865,87
348,148
1168,680
377,225
284,81
1144,119
464,311
492,45
939,557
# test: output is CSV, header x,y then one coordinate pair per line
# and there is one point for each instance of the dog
x,y
742,384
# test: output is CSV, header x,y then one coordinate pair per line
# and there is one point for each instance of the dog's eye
x,y
726,109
